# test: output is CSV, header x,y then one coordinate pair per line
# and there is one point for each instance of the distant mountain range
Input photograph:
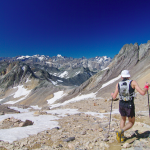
x,y
40,71
59,66
62,62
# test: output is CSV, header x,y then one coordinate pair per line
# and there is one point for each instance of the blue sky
x,y
72,28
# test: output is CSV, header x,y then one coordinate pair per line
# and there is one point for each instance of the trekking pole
x,y
110,114
148,103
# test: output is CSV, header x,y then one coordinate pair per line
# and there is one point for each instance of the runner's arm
x,y
114,95
136,86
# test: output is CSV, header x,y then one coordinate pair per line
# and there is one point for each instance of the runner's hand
x,y
146,85
112,94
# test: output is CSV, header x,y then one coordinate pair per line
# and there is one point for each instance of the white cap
x,y
125,73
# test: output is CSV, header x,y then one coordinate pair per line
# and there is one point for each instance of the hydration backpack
x,y
124,92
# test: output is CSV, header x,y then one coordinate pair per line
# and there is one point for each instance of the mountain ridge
x,y
81,80
61,61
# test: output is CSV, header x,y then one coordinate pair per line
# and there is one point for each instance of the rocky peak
x,y
128,48
16,73
144,50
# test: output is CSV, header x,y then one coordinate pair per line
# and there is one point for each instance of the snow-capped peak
x,y
40,57
59,55
105,57
23,57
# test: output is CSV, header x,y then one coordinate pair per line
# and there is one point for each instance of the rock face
x,y
5,109
16,73
144,50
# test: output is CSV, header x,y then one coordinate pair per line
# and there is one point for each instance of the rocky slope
x,y
84,126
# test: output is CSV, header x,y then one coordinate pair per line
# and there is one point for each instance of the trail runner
x,y
126,89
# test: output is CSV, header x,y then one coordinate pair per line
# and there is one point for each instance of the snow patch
x,y
111,81
55,74
101,115
23,68
1,99
36,107
13,102
21,91
105,68
59,56
53,82
19,109
105,57
24,57
42,57
28,80
78,98
77,73
63,112
65,73
59,80
48,62
99,61
57,96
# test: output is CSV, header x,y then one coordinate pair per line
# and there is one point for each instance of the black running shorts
x,y
128,111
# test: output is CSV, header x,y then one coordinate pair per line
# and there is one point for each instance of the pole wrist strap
x,y
146,87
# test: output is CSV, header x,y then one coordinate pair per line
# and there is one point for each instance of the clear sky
x,y
72,28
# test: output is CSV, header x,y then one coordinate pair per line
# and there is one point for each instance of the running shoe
x,y
119,136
